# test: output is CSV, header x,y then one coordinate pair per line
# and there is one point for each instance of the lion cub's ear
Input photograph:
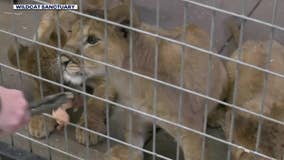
x,y
53,39
12,53
121,14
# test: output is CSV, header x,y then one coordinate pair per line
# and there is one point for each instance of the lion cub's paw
x,y
82,135
120,152
37,128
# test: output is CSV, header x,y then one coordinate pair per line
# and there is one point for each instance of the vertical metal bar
x,y
235,94
59,45
66,140
184,49
208,90
267,66
47,138
130,117
84,84
107,74
41,91
38,63
157,42
18,64
39,74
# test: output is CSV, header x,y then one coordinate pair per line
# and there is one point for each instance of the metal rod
x,y
107,89
130,92
40,84
156,64
180,106
85,112
236,82
18,63
208,90
267,66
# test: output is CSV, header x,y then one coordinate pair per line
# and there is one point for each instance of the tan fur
x,y
250,90
141,98
50,70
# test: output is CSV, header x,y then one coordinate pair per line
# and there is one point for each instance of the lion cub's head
x,y
89,39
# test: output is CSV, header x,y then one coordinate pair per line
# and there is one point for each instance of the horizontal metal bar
x,y
154,117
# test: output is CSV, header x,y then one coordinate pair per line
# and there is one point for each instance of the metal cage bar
x,y
82,64
130,85
208,90
185,16
267,66
106,78
156,64
237,75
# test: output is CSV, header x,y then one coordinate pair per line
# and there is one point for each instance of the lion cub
x,y
50,70
250,93
250,96
195,75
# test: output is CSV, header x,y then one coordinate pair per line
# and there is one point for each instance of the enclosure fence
x,y
232,107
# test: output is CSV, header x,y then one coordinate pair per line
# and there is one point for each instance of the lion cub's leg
x,y
95,117
138,136
40,126
95,120
189,142
191,145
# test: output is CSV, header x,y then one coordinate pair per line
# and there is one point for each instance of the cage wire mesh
x,y
247,124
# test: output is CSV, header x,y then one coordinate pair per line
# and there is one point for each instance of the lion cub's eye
x,y
92,40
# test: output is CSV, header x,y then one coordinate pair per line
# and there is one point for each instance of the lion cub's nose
x,y
64,60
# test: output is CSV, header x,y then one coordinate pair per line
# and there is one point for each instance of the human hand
x,y
14,111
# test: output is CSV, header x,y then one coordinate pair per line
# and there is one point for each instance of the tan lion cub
x,y
50,70
28,62
169,69
250,92
250,96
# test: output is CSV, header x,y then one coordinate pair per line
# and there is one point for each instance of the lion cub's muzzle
x,y
72,73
